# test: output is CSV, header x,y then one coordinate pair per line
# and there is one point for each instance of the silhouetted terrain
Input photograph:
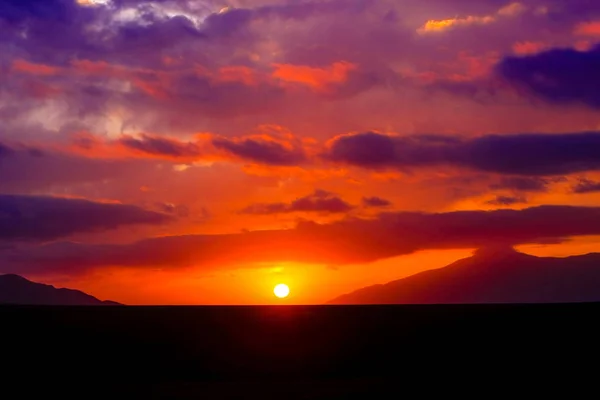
x,y
324,352
15,289
320,352
494,275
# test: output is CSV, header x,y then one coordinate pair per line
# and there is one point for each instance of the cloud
x,y
365,149
588,29
127,65
517,154
161,146
39,218
234,20
522,184
26,67
263,150
237,67
5,150
506,201
273,148
179,210
33,169
320,202
433,26
586,186
375,202
344,242
527,48
531,159
559,76
19,11
320,79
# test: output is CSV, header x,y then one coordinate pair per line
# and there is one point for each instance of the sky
x,y
203,151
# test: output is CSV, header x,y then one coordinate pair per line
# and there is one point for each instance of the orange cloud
x,y
316,78
511,10
34,69
477,66
583,45
42,90
467,67
152,83
260,149
90,3
161,84
433,26
528,48
238,74
445,24
144,146
588,29
105,69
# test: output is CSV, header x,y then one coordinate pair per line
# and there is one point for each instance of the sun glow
x,y
282,290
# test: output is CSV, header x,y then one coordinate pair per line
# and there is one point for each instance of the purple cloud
x,y
5,150
375,202
24,170
38,218
161,146
236,19
519,154
586,186
345,242
320,201
522,184
558,75
506,201
16,11
262,151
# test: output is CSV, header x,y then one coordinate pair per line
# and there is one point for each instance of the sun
x,y
282,290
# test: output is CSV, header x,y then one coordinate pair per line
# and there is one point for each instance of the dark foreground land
x,y
324,352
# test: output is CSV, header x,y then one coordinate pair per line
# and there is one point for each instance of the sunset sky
x,y
203,151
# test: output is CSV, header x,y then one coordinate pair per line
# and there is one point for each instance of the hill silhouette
x,y
15,289
492,275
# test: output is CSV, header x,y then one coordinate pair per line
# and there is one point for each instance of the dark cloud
x,y
25,170
506,201
37,218
163,70
320,201
365,150
586,186
522,184
5,150
52,31
558,75
179,210
16,11
345,242
57,31
375,202
236,19
519,154
262,151
97,52
161,146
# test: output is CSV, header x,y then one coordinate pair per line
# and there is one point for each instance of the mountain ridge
x,y
17,290
491,275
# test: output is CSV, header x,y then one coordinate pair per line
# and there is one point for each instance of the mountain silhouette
x,y
492,275
15,289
